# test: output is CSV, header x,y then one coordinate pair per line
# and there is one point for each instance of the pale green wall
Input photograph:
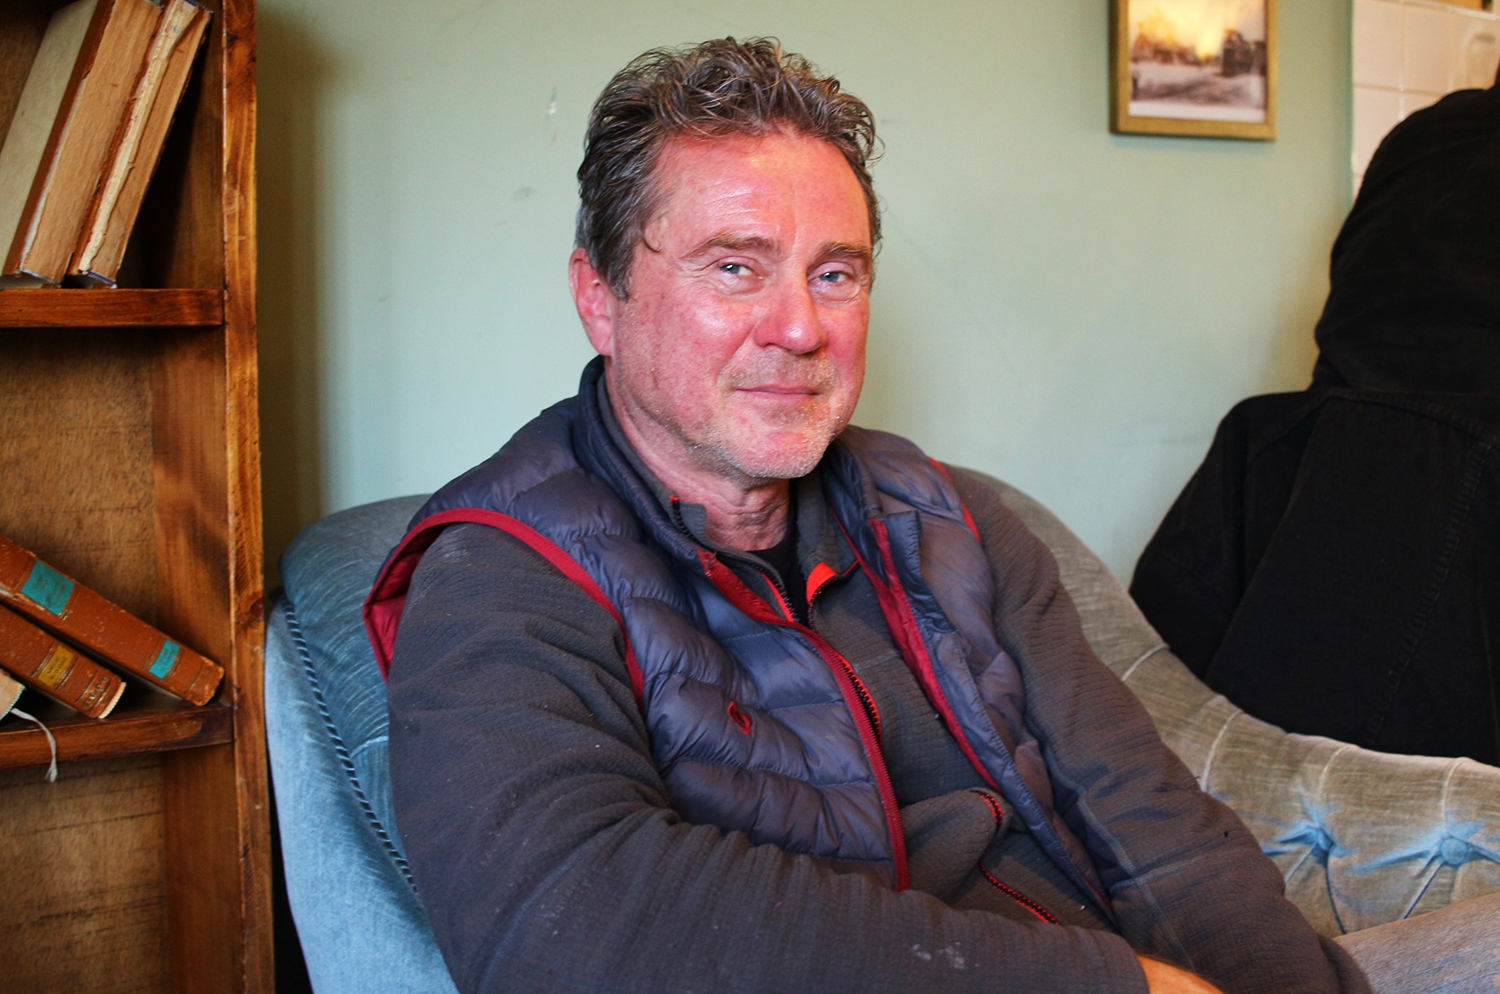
x,y
1070,310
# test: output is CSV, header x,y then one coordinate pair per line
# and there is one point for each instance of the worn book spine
x,y
10,692
21,157
137,148
82,616
111,60
62,673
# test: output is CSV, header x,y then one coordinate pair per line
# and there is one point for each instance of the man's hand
x,y
1164,978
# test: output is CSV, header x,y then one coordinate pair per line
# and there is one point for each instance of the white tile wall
x,y
1408,54
1377,44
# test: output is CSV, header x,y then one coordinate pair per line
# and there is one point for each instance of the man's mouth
x,y
783,389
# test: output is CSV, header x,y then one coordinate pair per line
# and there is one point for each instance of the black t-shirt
x,y
782,557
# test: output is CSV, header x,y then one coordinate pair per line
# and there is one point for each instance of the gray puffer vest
x,y
756,723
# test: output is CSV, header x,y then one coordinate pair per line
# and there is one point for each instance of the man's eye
x,y
734,268
837,284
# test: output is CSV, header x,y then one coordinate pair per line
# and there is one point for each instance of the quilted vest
x,y
755,722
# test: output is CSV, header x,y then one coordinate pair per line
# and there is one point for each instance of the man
x,y
697,688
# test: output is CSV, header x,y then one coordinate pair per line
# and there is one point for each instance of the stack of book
x,y
86,136
55,633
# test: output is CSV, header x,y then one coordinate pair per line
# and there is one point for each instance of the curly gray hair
x,y
717,88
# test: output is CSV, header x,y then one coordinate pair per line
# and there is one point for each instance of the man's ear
x,y
596,302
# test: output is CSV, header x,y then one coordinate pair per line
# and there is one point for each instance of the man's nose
x,y
791,319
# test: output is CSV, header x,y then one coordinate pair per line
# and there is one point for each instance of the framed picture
x,y
1193,67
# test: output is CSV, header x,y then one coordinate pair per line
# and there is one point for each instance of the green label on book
x,y
165,660
47,588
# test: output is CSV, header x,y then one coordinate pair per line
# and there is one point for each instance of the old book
x,y
10,692
62,673
31,124
138,145
101,80
82,616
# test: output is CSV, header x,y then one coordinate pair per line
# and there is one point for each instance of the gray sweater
x,y
549,857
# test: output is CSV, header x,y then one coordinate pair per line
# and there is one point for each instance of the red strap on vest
x,y
382,609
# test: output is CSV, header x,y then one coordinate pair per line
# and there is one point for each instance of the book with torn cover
x,y
137,148
98,82
31,123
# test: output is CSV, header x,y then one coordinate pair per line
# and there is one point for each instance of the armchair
x,y
1362,838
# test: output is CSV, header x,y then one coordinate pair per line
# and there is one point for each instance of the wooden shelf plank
x,y
180,726
111,308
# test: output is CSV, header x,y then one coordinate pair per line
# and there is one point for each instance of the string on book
x,y
51,742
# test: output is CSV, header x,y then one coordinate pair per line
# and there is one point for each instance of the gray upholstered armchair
x,y
1363,838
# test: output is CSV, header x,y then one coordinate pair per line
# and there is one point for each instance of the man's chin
x,y
783,460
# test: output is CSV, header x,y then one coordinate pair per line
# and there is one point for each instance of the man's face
x,y
740,352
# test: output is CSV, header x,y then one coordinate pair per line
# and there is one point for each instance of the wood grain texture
x,y
127,732
76,459
223,791
242,455
209,933
183,467
85,879
111,308
189,495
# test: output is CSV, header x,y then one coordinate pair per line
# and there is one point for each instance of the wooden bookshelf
x,y
111,308
129,457
133,732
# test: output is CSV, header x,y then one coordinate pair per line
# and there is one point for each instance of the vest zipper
x,y
840,666
866,701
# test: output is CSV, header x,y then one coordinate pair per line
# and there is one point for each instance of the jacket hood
x,y
1414,298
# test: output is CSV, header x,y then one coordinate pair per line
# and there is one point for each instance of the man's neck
x,y
746,518
742,513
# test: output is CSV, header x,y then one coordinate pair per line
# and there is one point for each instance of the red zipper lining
x,y
901,618
854,693
1010,892
865,699
822,575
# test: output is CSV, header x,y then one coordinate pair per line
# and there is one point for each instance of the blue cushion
x,y
358,914
327,572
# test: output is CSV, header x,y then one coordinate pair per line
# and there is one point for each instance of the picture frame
x,y
1168,78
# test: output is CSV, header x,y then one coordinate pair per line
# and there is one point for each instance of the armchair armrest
x,y
1362,837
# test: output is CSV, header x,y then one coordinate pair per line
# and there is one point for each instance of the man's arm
x,y
1188,881
547,856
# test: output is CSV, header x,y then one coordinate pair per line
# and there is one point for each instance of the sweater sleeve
x,y
548,858
1188,881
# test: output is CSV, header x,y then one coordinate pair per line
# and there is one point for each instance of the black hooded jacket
x,y
1334,565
